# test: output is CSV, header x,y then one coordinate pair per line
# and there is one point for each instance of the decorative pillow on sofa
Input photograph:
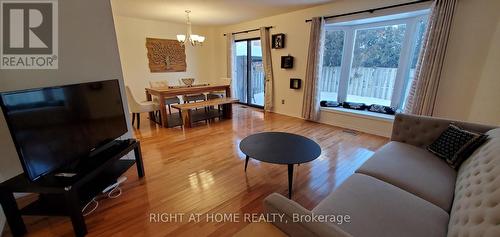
x,y
467,151
455,144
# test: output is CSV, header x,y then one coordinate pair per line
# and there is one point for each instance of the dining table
x,y
165,92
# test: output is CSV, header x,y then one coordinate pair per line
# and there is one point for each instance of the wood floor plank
x,y
200,170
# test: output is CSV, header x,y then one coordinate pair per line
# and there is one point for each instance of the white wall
x,y
472,31
87,52
132,34
485,106
471,37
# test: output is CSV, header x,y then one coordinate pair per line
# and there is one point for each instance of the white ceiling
x,y
209,12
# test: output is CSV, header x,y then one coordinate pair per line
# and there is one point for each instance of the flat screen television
x,y
57,127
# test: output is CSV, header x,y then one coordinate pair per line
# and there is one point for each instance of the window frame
x,y
404,63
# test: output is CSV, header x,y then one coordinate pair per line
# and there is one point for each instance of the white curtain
x,y
267,63
423,91
230,73
310,104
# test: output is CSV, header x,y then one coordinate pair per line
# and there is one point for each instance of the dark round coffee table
x,y
280,148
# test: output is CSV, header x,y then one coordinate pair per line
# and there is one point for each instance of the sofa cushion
x,y
415,170
377,208
476,206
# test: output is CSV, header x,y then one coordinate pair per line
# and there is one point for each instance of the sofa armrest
x,y
421,131
278,204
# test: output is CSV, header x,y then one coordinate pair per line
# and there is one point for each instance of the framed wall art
x,y
166,55
287,62
295,83
278,41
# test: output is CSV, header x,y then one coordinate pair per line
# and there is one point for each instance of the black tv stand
x,y
91,178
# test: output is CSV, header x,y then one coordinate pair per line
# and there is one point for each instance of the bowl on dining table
x,y
188,81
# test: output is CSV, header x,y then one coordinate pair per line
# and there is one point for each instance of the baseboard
x,y
287,114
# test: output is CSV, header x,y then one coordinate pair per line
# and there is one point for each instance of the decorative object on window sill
x,y
328,103
381,109
295,83
352,105
165,55
194,40
287,62
278,41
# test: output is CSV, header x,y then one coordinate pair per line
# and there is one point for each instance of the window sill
x,y
359,113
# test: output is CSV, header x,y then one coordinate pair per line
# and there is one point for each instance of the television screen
x,y
59,126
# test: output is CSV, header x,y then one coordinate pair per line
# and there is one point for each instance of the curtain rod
x,y
246,31
375,9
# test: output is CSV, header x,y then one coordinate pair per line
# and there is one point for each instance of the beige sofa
x,y
404,190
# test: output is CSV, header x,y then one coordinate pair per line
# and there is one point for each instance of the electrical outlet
x,y
282,102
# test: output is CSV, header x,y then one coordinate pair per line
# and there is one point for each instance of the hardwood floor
x,y
200,170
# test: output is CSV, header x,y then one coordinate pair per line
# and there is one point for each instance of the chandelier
x,y
189,37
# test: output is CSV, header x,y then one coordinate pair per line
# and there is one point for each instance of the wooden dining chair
x,y
191,97
219,94
213,97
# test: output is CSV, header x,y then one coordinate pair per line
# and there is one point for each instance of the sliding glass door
x,y
249,83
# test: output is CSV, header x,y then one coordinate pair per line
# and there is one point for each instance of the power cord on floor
x,y
113,191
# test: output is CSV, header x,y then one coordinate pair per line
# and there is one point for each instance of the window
x,y
372,61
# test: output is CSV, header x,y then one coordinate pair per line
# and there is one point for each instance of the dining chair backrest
x,y
133,105
157,84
